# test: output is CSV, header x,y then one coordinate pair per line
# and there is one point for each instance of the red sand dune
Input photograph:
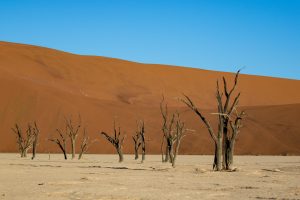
x,y
45,85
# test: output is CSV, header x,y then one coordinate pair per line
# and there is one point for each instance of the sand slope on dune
x,y
45,85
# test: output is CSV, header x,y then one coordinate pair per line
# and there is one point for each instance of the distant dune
x,y
45,85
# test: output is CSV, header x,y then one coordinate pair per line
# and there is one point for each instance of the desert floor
x,y
102,177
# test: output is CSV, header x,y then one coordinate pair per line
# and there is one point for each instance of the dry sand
x,y
102,177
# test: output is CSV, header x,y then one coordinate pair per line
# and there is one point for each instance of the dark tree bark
x,y
143,141
116,141
61,142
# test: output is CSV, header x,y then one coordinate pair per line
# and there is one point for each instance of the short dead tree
x,y
73,130
35,132
173,132
180,132
61,141
84,144
139,140
116,141
24,141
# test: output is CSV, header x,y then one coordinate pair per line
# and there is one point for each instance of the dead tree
x,y
72,133
173,132
179,133
139,140
142,133
24,141
222,139
116,141
137,143
61,142
167,128
84,144
36,133
225,114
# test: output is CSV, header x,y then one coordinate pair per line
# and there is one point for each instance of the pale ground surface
x,y
102,177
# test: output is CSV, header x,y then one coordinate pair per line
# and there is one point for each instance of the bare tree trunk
x,y
176,152
230,155
235,126
167,156
219,154
143,151
23,153
73,147
224,146
65,154
80,155
63,148
136,140
121,158
171,153
162,149
33,151
136,154
215,157
36,132
227,150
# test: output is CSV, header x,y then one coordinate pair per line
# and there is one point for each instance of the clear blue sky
x,y
261,35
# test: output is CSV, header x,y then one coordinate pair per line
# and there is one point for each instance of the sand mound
x,y
45,85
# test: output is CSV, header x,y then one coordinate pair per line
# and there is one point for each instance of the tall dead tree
x,y
116,141
223,138
24,141
226,113
73,130
35,132
61,142
139,140
173,132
